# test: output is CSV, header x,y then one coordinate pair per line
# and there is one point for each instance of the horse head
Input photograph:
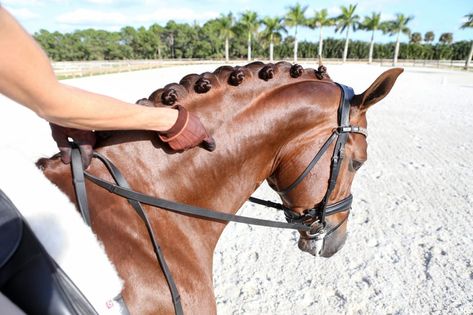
x,y
310,190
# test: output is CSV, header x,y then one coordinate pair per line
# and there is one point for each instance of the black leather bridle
x,y
311,223
316,216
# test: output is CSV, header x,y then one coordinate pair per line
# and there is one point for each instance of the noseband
x,y
312,222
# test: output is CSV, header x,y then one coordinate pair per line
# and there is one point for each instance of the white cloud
x,y
388,16
463,20
92,17
116,3
22,2
100,1
366,7
334,11
179,14
155,2
23,14
87,17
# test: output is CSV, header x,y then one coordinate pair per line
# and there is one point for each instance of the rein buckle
x,y
319,231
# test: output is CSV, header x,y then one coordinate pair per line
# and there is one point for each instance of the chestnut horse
x,y
268,122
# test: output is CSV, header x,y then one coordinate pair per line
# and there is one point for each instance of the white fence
x,y
68,69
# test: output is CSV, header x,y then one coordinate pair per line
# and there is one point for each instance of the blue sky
x,y
439,16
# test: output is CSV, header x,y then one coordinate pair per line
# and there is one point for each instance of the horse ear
x,y
378,90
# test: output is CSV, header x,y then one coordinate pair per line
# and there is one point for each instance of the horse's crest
x,y
233,76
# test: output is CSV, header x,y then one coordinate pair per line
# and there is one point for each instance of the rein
x,y
312,222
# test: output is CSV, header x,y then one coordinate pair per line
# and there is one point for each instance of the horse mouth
x,y
309,246
331,245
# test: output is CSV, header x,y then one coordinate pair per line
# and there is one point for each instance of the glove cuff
x,y
178,127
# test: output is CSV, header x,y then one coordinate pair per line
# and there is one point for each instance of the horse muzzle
x,y
322,241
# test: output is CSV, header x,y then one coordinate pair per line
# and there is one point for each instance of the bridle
x,y
311,223
316,216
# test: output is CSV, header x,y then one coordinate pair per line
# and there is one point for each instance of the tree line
x,y
249,36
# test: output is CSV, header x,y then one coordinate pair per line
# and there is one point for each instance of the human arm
x,y
26,76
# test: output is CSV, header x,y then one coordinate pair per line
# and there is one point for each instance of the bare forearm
x,y
26,76
86,110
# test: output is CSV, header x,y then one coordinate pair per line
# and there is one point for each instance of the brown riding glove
x,y
84,138
187,132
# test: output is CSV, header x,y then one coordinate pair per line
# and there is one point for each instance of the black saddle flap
x,y
11,229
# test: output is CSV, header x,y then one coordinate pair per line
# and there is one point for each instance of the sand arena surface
x,y
410,243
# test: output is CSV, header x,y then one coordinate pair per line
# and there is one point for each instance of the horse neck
x,y
250,130
251,125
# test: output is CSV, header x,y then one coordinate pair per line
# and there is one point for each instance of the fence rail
x,y
71,69
451,64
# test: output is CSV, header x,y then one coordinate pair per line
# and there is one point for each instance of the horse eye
x,y
355,165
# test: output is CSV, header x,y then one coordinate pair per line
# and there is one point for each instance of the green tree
x,y
156,31
285,48
446,38
320,20
186,36
371,23
129,38
209,44
249,20
225,31
416,38
183,40
50,43
396,27
170,33
348,19
443,51
295,17
468,24
429,37
272,32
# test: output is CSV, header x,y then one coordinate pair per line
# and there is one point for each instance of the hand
x,y
84,138
187,132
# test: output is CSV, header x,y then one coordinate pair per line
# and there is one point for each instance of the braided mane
x,y
193,86
239,82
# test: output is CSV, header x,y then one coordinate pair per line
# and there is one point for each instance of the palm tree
x,y
468,24
429,37
320,20
225,25
446,38
371,23
347,19
249,20
272,32
416,38
294,18
398,26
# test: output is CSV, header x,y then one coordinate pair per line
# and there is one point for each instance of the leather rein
x,y
311,223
